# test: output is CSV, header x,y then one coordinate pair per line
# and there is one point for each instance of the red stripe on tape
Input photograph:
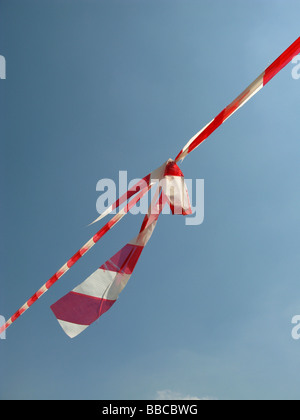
x,y
282,61
80,309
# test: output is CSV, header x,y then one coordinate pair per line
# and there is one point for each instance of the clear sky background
x,y
94,87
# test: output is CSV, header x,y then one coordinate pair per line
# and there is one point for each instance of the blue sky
x,y
95,87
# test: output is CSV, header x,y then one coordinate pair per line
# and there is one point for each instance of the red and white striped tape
x,y
244,97
150,180
87,302
194,142
82,251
